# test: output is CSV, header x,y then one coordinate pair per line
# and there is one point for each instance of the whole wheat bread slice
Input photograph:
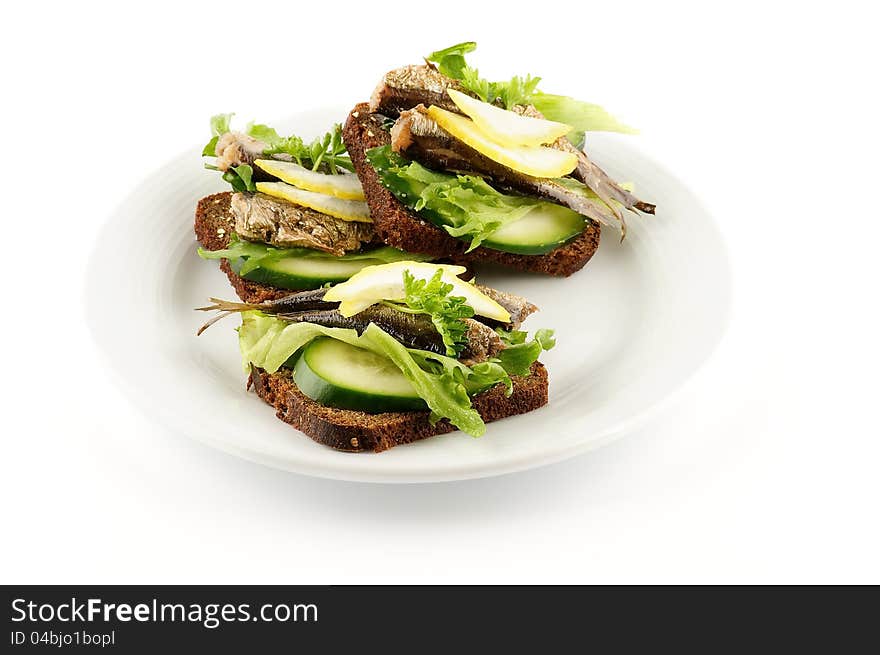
x,y
343,429
354,431
399,227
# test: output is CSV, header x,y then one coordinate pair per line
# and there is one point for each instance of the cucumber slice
x,y
546,227
337,374
301,273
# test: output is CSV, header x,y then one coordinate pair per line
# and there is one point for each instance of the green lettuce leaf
x,y
210,150
519,355
582,116
445,391
512,337
219,127
220,124
264,133
241,178
464,205
450,61
445,384
256,255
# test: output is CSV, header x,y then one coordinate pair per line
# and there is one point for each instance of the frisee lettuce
x,y
444,383
517,91
431,297
464,205
257,255
582,116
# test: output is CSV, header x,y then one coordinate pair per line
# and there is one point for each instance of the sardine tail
x,y
221,305
646,207
212,321
225,308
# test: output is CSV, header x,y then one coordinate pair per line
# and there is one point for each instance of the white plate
x,y
631,328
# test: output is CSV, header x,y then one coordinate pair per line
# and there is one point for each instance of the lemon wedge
x,y
538,161
506,127
343,185
385,282
347,210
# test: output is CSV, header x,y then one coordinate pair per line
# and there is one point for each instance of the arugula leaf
x,y
450,61
257,255
431,297
290,145
326,152
241,178
464,205
445,384
210,149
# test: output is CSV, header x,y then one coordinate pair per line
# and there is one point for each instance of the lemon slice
x,y
385,282
347,210
343,185
536,161
505,127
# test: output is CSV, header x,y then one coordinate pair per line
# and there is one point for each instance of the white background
x,y
765,470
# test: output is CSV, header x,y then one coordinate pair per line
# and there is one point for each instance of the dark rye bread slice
x,y
353,431
399,227
213,224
